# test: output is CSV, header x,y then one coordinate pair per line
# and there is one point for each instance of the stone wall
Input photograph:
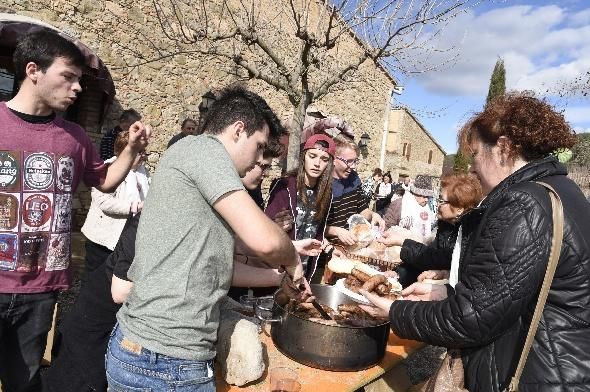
x,y
169,90
411,150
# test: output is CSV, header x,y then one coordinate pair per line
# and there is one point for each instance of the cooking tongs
x,y
319,308
316,305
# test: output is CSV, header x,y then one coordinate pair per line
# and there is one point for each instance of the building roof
x,y
421,126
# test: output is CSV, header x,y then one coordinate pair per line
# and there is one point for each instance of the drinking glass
x,y
283,379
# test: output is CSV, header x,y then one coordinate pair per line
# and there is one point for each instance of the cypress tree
x,y
497,81
461,163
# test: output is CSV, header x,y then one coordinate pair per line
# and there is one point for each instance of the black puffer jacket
x,y
503,261
437,255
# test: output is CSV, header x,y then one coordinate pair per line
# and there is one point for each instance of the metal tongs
x,y
315,303
319,308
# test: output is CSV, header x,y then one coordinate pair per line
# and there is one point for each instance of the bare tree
x,y
305,49
301,48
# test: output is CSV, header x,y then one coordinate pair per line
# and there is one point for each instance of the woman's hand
x,y
434,275
345,237
425,292
380,308
392,238
377,220
308,247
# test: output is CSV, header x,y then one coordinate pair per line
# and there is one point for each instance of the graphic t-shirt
x,y
305,224
40,168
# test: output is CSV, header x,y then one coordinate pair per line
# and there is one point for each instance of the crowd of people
x,y
163,251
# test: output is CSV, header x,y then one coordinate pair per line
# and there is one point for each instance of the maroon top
x,y
41,166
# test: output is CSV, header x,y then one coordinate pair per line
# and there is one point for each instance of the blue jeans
x,y
131,368
25,320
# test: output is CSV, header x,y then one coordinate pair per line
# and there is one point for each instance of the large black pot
x,y
328,347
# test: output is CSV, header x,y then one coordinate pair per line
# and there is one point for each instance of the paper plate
x,y
359,297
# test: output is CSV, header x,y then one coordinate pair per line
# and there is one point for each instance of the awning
x,y
12,26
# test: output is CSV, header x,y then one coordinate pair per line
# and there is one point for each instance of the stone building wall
x,y
169,90
411,150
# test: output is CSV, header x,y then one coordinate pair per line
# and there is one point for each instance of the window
x,y
404,149
408,151
7,87
429,157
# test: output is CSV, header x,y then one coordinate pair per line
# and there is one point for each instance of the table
x,y
315,380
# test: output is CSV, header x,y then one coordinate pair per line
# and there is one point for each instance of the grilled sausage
x,y
373,282
350,308
360,275
383,289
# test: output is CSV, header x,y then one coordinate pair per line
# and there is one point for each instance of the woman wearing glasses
x,y
307,194
459,194
504,257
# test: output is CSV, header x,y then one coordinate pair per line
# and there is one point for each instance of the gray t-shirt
x,y
184,253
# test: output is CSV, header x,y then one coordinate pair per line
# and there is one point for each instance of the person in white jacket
x,y
109,211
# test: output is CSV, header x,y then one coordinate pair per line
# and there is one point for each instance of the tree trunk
x,y
295,132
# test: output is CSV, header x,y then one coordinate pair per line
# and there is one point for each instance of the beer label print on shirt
x,y
9,171
33,249
8,251
9,207
65,173
37,210
62,213
58,255
38,171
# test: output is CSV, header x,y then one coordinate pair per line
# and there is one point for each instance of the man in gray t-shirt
x,y
184,248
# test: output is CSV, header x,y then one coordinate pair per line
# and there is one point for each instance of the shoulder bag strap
x,y
557,212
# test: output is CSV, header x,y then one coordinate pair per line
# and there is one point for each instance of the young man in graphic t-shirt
x,y
43,158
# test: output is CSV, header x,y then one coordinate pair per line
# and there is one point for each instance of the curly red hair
x,y
463,190
533,126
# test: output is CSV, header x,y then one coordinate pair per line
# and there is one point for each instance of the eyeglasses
x,y
348,162
441,201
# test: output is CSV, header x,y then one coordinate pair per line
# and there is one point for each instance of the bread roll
x,y
341,265
367,269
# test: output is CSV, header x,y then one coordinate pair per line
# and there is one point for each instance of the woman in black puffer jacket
x,y
504,258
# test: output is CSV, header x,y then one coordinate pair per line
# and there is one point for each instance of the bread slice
x,y
342,265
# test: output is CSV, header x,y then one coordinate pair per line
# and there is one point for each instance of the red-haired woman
x,y
459,194
504,256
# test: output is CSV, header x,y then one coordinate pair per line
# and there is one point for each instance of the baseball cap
x,y
313,140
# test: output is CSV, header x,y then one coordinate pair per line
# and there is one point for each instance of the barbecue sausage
x,y
373,282
360,275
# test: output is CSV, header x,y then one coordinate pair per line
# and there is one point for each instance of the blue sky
x,y
544,44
